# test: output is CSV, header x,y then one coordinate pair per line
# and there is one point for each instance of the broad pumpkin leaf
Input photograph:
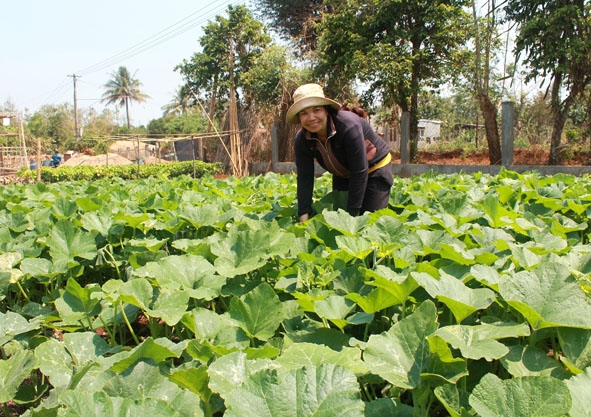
x,y
77,303
13,372
188,272
547,297
323,391
99,404
391,407
170,305
461,300
146,380
149,349
244,250
533,396
302,354
580,390
403,354
334,308
259,312
66,242
455,401
476,342
343,222
13,324
398,286
576,348
532,361
230,371
55,362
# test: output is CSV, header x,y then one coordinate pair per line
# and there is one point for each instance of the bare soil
x,y
521,156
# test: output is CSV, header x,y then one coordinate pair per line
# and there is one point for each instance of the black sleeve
x,y
357,164
305,175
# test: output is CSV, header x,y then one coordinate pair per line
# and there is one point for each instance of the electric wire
x,y
164,35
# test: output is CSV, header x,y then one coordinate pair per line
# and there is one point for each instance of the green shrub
x,y
195,169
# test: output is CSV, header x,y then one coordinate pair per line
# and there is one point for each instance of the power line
x,y
164,35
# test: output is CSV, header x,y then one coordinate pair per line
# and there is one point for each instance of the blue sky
x,y
46,42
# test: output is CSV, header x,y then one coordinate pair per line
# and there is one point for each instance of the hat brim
x,y
293,111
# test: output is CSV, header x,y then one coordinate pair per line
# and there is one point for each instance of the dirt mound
x,y
97,160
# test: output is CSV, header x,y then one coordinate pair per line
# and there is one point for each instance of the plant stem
x,y
128,324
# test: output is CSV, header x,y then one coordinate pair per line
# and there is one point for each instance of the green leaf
x,y
55,362
170,306
532,361
148,349
67,242
100,222
230,371
521,397
398,286
99,404
13,324
145,381
461,300
194,379
355,246
188,272
454,400
77,303
299,355
86,347
64,209
402,353
547,297
343,222
580,390
476,342
576,348
259,312
334,308
324,391
13,372
243,251
391,407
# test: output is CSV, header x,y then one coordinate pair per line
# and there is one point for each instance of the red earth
x,y
532,156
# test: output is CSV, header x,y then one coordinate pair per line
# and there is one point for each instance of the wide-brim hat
x,y
308,95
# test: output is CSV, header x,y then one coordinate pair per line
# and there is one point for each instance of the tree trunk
x,y
560,112
489,112
127,112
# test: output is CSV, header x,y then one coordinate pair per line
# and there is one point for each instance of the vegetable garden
x,y
469,295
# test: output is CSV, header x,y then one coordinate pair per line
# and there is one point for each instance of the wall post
x,y
405,138
508,139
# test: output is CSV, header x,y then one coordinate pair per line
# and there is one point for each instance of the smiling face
x,y
314,120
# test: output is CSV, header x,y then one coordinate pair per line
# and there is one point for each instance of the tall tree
x,y
122,89
181,103
207,73
486,42
295,21
556,37
396,47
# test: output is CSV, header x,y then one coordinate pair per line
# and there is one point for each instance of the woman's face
x,y
314,119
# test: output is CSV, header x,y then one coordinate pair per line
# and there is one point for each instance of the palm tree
x,y
122,89
180,104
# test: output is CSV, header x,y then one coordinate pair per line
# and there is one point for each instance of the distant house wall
x,y
429,130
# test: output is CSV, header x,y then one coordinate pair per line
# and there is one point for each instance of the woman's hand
x,y
304,217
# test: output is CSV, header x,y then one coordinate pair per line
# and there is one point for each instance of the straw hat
x,y
308,95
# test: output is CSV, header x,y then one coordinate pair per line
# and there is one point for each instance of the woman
x,y
345,145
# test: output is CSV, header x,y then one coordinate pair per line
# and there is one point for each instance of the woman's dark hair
x,y
355,109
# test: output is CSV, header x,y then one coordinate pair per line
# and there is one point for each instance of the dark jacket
x,y
355,146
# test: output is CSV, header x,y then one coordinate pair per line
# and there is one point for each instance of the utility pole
x,y
77,131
